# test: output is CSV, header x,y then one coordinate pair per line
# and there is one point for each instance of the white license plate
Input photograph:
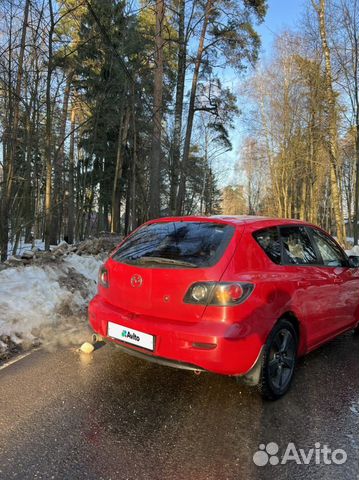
x,y
129,335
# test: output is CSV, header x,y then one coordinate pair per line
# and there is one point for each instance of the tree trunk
x,y
31,152
71,184
133,168
48,136
332,126
155,177
58,168
116,198
9,159
356,107
116,191
356,205
177,131
191,109
102,197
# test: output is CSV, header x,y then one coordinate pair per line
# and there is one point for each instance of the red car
x,y
240,296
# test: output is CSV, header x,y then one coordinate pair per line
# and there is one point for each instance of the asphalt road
x,y
65,415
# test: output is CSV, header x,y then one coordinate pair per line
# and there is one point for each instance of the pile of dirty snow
x,y
45,296
34,297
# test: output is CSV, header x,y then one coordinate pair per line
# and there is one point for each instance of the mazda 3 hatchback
x,y
239,296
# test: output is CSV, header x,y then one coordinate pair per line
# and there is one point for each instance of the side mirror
x,y
353,261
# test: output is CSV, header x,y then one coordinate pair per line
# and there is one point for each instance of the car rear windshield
x,y
176,244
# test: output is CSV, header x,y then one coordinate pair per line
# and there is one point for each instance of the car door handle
x,y
303,283
338,280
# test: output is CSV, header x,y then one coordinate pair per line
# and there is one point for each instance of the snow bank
x,y
87,266
354,251
33,297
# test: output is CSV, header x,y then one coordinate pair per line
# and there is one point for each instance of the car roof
x,y
256,222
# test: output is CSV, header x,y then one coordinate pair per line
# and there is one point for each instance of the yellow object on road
x,y
87,347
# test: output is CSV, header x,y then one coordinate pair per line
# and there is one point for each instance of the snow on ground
x,y
353,251
87,266
34,297
22,247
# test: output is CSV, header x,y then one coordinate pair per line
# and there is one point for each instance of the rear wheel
x,y
278,361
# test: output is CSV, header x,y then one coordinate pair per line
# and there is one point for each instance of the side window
x,y
297,246
330,252
268,239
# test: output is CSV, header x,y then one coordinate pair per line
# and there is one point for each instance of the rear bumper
x,y
174,345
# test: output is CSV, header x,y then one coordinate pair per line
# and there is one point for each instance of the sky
x,y
281,15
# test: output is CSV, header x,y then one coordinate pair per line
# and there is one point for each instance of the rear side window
x,y
268,239
177,244
330,252
297,246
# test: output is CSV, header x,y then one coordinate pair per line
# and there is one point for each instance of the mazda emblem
x,y
136,281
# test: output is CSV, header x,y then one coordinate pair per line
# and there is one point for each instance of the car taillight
x,y
103,277
221,294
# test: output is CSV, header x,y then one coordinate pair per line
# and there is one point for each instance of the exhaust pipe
x,y
97,338
197,372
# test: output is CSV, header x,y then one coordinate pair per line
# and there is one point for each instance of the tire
x,y
278,361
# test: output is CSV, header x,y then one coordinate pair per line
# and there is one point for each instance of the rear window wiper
x,y
166,261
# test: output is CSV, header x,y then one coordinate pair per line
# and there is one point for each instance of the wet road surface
x,y
65,415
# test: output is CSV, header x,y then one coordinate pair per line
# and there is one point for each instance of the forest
x,y
115,112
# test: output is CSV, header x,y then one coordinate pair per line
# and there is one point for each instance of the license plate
x,y
129,335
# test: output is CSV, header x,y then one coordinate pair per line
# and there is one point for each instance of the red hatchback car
x,y
240,296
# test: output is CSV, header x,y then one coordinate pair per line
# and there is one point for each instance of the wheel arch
x,y
253,375
299,328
